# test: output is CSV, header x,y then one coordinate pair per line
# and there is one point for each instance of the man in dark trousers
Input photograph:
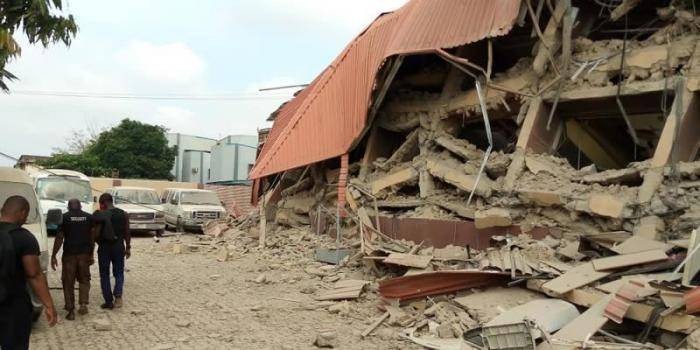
x,y
114,245
21,252
76,236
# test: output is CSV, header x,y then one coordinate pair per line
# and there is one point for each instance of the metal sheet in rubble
x,y
441,282
441,233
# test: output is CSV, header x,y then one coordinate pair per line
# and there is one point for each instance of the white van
x,y
142,205
17,182
56,186
190,208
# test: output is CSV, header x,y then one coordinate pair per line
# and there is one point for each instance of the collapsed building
x,y
465,123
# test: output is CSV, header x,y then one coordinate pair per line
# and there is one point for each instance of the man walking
x,y
19,266
76,237
114,245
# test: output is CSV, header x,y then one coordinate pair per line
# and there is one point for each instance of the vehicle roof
x,y
187,190
61,172
132,188
8,174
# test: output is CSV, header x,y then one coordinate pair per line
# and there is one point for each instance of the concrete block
x,y
652,180
395,178
542,198
515,169
607,205
494,217
459,179
650,227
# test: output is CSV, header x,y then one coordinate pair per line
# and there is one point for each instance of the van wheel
x,y
179,227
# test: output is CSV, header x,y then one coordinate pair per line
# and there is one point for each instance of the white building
x,y
193,157
232,158
204,160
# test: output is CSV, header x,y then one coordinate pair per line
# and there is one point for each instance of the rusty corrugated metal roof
x,y
692,300
324,120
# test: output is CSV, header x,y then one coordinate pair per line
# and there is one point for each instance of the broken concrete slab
x,y
394,178
650,227
581,328
637,311
494,217
613,176
652,180
487,304
459,179
577,277
344,289
541,198
301,204
608,205
636,244
409,260
620,261
454,206
462,148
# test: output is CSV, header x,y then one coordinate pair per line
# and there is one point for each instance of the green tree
x,y
136,150
132,148
84,163
41,23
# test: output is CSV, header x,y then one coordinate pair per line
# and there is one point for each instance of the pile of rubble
x,y
550,201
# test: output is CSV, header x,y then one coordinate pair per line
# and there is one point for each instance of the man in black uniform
x,y
114,240
75,235
16,306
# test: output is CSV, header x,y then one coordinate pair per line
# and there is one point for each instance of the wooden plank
x,y
636,244
345,289
634,88
394,178
559,265
686,105
582,327
375,324
551,42
409,260
678,322
579,276
618,261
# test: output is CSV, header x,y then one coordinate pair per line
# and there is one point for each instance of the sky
x,y
174,48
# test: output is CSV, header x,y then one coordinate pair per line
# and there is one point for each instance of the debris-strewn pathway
x,y
193,301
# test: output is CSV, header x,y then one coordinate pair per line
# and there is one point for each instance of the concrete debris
x,y
589,197
327,339
102,324
494,217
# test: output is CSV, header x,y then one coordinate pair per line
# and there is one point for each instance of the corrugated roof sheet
x,y
324,119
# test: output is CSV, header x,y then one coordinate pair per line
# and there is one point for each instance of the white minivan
x,y
56,186
142,205
17,182
190,208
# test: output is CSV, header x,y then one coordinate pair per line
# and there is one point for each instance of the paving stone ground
x,y
192,301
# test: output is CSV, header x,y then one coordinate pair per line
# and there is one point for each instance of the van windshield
x,y
136,197
200,198
8,189
59,188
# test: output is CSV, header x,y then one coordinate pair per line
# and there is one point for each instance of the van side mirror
x,y
54,218
94,199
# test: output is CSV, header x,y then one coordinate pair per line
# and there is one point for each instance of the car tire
x,y
180,226
159,233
